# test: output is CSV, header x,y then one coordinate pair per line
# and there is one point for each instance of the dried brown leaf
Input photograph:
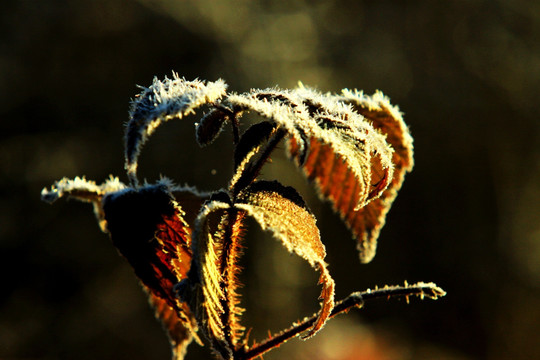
x,y
360,187
386,118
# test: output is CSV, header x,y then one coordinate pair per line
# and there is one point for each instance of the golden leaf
x,y
204,288
282,211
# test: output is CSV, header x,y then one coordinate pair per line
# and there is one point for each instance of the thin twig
x,y
356,299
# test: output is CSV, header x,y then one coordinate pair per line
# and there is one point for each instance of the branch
x,y
355,299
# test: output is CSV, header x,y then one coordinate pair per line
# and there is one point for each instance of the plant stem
x,y
356,299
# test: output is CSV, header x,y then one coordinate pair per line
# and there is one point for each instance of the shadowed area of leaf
x,y
147,227
210,125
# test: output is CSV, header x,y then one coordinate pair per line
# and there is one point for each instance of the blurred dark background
x,y
465,73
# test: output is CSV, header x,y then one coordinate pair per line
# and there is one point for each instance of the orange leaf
x,y
386,118
362,198
346,156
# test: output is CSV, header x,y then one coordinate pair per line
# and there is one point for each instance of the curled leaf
x,y
366,223
162,101
211,124
85,191
343,141
282,211
252,151
352,164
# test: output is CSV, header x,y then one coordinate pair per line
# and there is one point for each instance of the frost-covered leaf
x,y
343,141
80,189
85,191
163,101
386,118
346,157
282,211
351,167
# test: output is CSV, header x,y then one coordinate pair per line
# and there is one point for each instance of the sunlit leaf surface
x,y
282,211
